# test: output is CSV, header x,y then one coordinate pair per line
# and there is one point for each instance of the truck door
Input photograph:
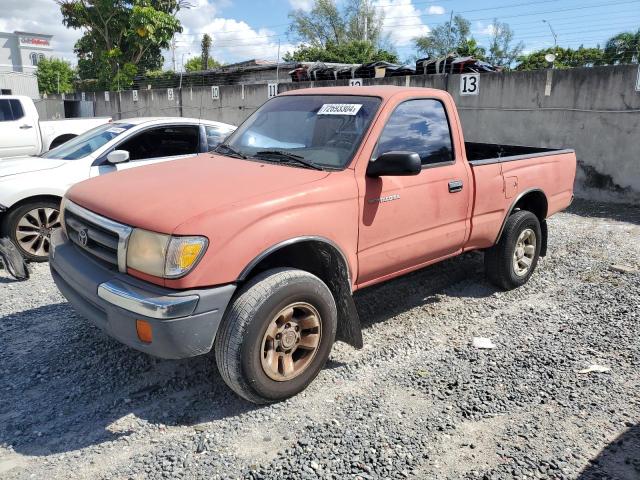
x,y
409,221
18,133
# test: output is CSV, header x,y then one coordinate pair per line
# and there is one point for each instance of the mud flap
x,y
12,261
545,236
349,330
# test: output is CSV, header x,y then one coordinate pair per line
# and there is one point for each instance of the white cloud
x,y
233,40
40,16
402,21
305,5
482,29
435,10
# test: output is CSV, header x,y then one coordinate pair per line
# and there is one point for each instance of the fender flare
x,y
349,327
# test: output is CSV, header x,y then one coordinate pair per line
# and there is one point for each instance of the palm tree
x,y
623,48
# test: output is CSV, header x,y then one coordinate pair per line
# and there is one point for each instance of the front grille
x,y
98,236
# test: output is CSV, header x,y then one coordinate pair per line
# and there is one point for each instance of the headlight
x,y
163,255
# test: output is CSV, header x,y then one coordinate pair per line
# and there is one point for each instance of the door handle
x,y
455,186
25,127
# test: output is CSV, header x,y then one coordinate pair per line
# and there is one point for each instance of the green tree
x,y
55,76
470,48
195,64
205,45
326,23
355,51
447,38
623,48
502,51
121,38
565,58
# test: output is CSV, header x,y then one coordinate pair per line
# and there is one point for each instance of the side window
x,y
5,111
215,136
418,126
16,108
34,58
163,142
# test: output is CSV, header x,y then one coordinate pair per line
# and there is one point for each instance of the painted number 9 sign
x,y
470,84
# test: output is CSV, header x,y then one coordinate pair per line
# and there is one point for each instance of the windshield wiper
x,y
230,150
290,156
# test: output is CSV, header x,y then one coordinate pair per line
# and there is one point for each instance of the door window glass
x,y
163,142
419,126
215,136
5,111
16,109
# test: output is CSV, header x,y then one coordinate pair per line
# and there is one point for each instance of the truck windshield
x,y
88,142
320,130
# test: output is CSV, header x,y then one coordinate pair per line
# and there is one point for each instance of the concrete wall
x,y
594,110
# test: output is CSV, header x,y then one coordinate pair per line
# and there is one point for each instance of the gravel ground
x,y
419,401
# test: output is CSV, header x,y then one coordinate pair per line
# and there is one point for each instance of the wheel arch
x,y
60,139
323,258
535,201
33,198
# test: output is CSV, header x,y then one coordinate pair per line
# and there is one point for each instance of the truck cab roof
x,y
382,91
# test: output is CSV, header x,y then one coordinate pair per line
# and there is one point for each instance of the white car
x,y
22,132
31,187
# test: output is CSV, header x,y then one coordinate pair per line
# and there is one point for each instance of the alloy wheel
x,y
291,341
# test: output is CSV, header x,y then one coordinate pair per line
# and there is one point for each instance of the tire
x,y
29,226
502,266
60,140
244,343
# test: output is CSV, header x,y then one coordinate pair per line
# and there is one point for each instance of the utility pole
x,y
173,52
278,63
365,13
555,43
444,68
58,74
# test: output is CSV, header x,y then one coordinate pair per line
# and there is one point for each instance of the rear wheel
x,y
276,335
511,262
30,226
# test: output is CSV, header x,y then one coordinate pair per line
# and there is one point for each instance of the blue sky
x,y
244,29
263,24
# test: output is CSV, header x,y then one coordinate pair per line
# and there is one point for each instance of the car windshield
x,y
88,142
310,131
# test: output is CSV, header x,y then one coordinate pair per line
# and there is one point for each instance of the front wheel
x,y
30,226
276,335
511,262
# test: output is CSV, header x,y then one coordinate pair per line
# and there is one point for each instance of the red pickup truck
x,y
255,249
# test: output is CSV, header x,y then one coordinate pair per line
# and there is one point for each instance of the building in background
x,y
20,53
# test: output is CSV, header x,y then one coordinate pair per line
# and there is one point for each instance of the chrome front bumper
x,y
139,301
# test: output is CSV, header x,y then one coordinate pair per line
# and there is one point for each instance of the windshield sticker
x,y
116,130
339,109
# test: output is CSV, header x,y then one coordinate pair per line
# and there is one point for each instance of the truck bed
x,y
483,153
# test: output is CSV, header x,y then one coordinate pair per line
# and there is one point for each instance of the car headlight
x,y
162,255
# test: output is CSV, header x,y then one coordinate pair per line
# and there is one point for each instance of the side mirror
x,y
395,164
118,156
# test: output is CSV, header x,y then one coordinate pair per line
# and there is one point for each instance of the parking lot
x,y
419,401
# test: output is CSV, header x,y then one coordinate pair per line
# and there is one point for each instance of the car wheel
x,y
511,262
276,335
30,226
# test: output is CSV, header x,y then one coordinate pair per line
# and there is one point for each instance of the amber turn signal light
x,y
144,331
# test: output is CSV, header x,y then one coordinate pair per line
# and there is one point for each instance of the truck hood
x,y
160,197
17,165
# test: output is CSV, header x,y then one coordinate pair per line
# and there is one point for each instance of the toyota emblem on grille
x,y
83,237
